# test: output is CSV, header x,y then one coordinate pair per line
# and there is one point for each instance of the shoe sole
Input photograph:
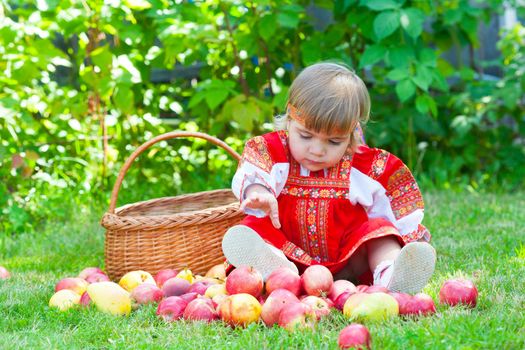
x,y
413,268
241,245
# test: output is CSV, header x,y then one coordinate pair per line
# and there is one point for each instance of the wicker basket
x,y
169,232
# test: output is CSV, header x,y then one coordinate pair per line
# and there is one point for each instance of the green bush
x,y
79,91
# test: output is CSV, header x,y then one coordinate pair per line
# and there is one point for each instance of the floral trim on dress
x,y
296,253
421,233
256,152
403,193
379,164
315,192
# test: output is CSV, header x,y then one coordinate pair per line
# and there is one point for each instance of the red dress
x,y
322,220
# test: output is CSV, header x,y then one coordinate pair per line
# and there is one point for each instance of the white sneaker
x,y
410,271
241,245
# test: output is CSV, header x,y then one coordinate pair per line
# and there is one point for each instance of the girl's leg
x,y
357,265
405,269
381,249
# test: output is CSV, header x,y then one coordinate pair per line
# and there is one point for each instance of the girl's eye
x,y
335,143
305,137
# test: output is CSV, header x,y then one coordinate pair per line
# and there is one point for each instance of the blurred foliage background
x,y
84,82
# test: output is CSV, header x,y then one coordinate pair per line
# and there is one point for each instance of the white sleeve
x,y
373,197
248,174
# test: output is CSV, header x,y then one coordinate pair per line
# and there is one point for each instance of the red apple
x,y
355,336
85,300
76,284
189,296
88,271
419,304
339,303
175,286
376,289
200,309
4,274
171,308
97,277
199,287
240,309
245,279
425,304
164,275
318,305
284,278
274,303
340,286
145,294
458,291
297,316
317,280
404,301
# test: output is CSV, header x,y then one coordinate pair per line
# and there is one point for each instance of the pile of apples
x,y
286,299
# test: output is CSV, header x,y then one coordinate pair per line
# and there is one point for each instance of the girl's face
x,y
316,151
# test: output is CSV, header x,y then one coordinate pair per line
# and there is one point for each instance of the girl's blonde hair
x,y
330,98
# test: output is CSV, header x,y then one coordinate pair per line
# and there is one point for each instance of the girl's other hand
x,y
265,201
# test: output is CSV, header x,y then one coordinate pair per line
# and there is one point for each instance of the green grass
x,y
476,236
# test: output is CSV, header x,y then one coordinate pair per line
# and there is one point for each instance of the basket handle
x,y
162,137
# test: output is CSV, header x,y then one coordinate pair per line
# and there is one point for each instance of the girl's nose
x,y
317,149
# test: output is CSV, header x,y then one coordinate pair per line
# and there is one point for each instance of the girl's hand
x,y
265,201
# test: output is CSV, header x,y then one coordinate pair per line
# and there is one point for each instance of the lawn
x,y
478,236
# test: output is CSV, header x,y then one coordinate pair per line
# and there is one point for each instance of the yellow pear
x,y
186,274
133,279
109,297
64,299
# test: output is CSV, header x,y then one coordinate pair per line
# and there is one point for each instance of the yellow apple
x,y
215,289
186,274
370,307
135,278
64,299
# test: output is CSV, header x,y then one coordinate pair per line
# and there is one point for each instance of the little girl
x,y
316,194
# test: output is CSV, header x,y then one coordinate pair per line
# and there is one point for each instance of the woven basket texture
x,y
171,232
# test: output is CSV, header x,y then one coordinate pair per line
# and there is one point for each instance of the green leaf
x,y
400,56
427,57
381,5
310,51
341,6
124,99
267,26
288,19
102,57
137,5
398,74
372,54
412,21
452,16
386,23
215,97
405,89
439,81
423,77
422,104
